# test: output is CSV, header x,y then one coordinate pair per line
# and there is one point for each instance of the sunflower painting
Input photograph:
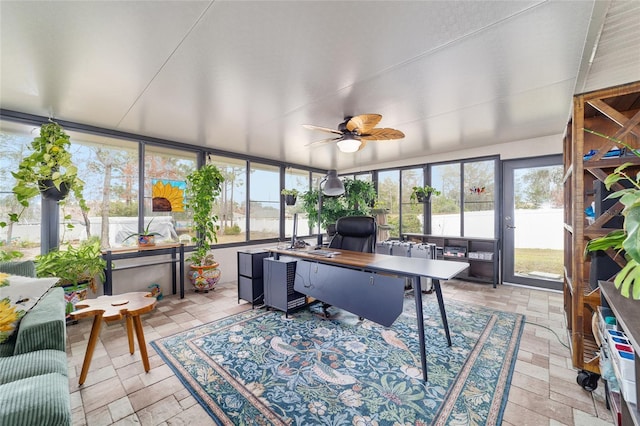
x,y
168,195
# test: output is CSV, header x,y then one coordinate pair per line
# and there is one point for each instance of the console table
x,y
177,257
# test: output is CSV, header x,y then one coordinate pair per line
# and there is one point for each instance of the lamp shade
x,y
349,145
333,186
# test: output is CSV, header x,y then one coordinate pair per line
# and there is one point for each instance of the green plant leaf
x,y
626,279
631,244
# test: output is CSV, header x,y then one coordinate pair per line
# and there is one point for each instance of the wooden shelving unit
x,y
588,160
482,254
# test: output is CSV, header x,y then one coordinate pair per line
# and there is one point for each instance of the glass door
x,y
533,222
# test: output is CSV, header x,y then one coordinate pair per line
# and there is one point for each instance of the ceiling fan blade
x,y
363,123
382,134
322,129
323,141
363,143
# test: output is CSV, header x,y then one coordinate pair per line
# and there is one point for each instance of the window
x,y
264,201
232,205
165,178
109,169
445,208
412,212
479,195
389,198
296,179
23,236
470,184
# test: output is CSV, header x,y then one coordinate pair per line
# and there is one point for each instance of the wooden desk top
x,y
116,307
438,269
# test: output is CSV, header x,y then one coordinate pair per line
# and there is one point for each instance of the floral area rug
x,y
262,368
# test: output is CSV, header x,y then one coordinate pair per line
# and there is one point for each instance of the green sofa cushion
x,y
44,326
26,268
35,363
39,400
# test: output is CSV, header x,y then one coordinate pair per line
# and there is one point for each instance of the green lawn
x,y
540,260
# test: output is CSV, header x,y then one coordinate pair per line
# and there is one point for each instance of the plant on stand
x,y
145,238
204,185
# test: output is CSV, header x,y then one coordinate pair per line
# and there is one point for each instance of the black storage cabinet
x,y
250,276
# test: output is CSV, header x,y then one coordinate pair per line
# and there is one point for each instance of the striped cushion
x,y
40,400
25,268
44,326
32,364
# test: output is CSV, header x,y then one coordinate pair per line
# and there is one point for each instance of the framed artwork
x,y
168,195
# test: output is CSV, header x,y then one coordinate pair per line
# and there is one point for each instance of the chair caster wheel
x,y
588,380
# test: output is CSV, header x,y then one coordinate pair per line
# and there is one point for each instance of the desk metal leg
x,y
174,258
417,293
443,313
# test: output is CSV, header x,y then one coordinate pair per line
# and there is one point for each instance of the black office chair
x,y
355,233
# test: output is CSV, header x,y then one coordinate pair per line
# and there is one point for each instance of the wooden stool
x,y
112,308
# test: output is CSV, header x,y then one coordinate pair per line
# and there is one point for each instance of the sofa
x,y
34,384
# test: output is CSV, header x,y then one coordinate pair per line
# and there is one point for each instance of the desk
x,y
111,308
175,250
376,263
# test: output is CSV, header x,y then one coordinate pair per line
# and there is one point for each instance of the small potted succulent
x,y
290,196
145,238
422,194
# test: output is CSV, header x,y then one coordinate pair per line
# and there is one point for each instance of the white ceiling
x,y
243,76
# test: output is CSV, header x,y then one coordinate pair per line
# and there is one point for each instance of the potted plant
x,y
79,268
290,196
357,200
625,241
422,194
48,170
204,185
360,196
145,238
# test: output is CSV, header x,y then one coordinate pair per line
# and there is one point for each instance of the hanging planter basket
x,y
290,200
424,198
50,192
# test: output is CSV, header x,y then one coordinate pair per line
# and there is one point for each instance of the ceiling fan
x,y
354,132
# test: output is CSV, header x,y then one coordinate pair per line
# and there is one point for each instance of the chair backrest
x,y
355,233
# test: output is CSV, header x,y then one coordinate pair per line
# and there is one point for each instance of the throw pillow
x,y
10,317
17,298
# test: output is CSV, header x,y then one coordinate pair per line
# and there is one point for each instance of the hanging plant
x,y
49,170
422,194
290,196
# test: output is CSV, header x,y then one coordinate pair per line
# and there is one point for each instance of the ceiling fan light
x,y
349,145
